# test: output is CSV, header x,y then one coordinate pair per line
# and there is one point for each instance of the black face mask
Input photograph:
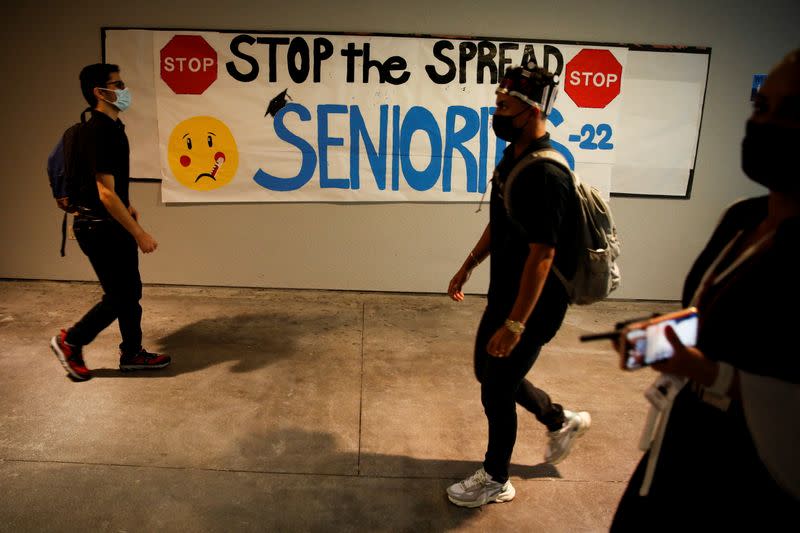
x,y
503,126
768,155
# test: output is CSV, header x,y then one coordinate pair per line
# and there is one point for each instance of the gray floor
x,y
295,411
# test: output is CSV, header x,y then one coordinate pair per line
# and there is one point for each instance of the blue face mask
x,y
123,100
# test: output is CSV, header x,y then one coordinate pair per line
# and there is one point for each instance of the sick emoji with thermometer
x,y
202,153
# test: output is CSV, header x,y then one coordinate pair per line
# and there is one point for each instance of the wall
x,y
383,247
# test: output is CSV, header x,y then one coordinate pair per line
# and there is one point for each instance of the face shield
x,y
534,86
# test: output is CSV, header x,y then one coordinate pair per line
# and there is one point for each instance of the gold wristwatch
x,y
515,327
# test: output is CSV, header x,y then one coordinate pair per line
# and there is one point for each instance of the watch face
x,y
515,327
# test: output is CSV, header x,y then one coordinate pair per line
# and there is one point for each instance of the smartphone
x,y
646,343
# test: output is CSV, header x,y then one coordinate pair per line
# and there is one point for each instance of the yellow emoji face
x,y
202,153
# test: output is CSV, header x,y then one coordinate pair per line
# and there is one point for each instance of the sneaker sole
x,y
500,498
132,368
578,433
585,428
63,360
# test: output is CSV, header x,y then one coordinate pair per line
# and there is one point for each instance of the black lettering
x,y
273,43
298,46
503,60
529,56
351,53
447,77
323,49
396,63
550,50
368,64
466,51
236,42
486,54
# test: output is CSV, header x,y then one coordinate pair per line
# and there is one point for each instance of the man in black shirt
x,y
107,229
528,233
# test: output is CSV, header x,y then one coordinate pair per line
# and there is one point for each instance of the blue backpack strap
x,y
56,169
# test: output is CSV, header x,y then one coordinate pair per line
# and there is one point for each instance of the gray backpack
x,y
598,247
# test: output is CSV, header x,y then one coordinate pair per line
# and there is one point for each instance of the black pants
x,y
503,385
709,470
114,256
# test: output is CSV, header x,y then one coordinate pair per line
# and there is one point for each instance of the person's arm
x,y
478,253
537,267
120,213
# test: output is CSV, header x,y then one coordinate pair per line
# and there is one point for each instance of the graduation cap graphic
x,y
277,103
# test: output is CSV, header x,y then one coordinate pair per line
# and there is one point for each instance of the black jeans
x,y
114,256
710,470
503,385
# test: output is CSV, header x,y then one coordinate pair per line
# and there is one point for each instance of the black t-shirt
x,y
105,150
543,210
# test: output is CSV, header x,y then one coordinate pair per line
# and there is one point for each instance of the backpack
x,y
64,171
597,272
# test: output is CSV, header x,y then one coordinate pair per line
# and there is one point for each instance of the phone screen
x,y
648,344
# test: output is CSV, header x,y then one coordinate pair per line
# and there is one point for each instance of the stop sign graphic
x,y
188,64
594,78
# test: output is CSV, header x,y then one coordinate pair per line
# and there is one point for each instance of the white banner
x,y
346,118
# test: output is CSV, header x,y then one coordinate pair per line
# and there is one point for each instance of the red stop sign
x,y
188,64
594,78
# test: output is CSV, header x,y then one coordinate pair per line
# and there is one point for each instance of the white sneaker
x,y
560,442
479,489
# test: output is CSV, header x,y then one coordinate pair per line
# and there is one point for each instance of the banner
x,y
264,117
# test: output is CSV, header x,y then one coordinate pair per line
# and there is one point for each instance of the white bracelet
x,y
722,383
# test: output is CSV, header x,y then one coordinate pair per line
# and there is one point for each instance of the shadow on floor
x,y
253,341
316,452
374,483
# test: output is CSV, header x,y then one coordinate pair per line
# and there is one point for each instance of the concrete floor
x,y
295,411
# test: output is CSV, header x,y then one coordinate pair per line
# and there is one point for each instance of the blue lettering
x,y
454,140
462,125
499,144
309,159
323,141
556,119
395,148
377,158
484,150
420,119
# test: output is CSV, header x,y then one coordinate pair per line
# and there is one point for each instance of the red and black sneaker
x,y
143,360
71,357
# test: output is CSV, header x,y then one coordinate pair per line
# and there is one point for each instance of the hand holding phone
x,y
644,340
646,343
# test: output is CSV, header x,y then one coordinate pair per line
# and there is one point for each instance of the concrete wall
x,y
383,247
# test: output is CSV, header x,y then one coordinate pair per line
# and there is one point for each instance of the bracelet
x,y
514,326
722,383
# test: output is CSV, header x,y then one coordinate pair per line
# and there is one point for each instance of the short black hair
x,y
96,75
